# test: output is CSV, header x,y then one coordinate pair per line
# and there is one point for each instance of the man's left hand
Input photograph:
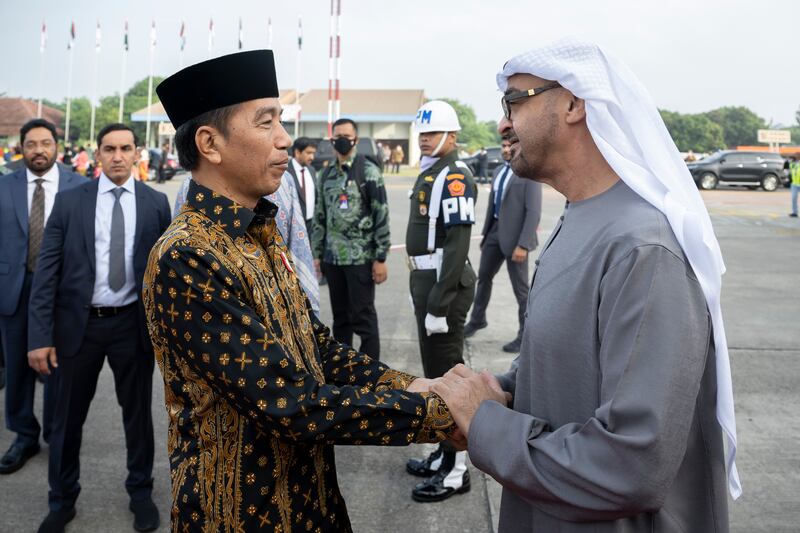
x,y
519,254
463,390
379,272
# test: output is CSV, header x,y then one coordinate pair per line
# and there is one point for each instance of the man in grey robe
x,y
617,420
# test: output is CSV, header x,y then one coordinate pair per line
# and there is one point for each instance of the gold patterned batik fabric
x,y
257,391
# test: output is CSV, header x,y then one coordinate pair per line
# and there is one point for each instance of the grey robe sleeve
x,y
654,333
508,380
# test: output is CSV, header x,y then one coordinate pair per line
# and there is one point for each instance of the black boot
x,y
425,467
513,346
452,478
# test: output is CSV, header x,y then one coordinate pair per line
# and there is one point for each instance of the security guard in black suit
x,y
442,281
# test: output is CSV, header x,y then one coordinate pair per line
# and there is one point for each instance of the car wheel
x,y
708,181
769,182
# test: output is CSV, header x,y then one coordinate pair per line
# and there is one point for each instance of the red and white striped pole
x,y
338,100
330,72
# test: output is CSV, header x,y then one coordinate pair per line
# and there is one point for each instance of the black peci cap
x,y
217,83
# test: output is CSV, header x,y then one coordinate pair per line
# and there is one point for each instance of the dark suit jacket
x,y
64,280
520,213
311,174
14,232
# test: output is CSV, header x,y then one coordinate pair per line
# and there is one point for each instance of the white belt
x,y
427,262
423,262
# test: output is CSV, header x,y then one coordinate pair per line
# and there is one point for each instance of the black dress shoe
x,y
434,489
425,467
145,515
452,478
513,346
56,521
471,328
16,457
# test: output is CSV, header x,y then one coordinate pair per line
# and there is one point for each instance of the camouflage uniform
x,y
353,235
348,237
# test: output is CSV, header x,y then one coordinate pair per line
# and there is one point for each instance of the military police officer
x,y
442,281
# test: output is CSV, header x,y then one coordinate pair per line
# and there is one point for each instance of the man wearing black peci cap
x,y
257,390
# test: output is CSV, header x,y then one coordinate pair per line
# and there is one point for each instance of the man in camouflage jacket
x,y
351,238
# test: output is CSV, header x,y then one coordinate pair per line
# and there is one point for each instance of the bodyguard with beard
x,y
26,199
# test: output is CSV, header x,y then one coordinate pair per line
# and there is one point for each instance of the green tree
x,y
693,132
107,112
739,125
473,133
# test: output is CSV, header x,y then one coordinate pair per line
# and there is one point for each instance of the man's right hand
x,y
39,358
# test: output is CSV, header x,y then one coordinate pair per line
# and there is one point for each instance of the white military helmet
x,y
436,115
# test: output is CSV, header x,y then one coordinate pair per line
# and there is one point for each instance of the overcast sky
x,y
692,55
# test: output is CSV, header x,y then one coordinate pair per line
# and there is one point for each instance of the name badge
x,y
343,201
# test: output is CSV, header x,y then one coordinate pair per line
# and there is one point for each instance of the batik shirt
x,y
292,227
345,230
257,391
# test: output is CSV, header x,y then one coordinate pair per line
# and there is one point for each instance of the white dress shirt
x,y
50,185
308,185
103,296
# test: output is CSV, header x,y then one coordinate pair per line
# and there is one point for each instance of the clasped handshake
x,y
463,390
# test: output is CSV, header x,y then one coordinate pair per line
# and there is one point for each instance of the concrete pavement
x,y
761,300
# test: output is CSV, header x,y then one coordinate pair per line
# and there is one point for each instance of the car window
x,y
735,159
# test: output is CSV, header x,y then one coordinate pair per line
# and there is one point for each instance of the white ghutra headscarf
x,y
631,135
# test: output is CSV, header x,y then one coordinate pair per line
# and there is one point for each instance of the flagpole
x,y
69,82
122,74
183,43
330,72
43,44
338,103
210,37
269,33
150,82
297,85
94,81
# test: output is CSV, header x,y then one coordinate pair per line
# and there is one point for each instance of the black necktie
x,y
498,196
303,183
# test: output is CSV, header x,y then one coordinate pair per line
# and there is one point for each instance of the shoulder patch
x,y
456,188
455,177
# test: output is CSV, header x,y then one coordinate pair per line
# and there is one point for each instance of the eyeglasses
x,y
508,99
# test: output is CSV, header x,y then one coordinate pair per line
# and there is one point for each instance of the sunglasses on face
x,y
516,96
